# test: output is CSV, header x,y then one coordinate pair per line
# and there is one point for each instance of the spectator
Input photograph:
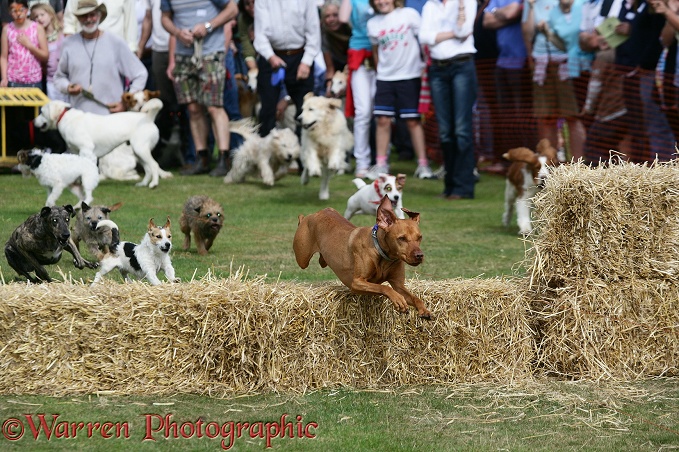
x,y
334,41
57,6
122,20
23,49
287,38
448,29
553,94
44,14
393,34
200,73
361,82
96,61
512,87
246,32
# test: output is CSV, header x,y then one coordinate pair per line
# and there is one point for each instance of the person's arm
x,y
247,50
3,58
131,35
227,13
345,11
70,22
146,28
528,27
171,45
501,17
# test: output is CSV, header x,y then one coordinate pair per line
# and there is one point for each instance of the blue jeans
x,y
453,91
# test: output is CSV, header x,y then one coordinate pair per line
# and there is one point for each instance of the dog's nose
x,y
419,256
65,235
396,197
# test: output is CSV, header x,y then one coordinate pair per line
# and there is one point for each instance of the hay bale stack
x,y
609,223
604,265
221,336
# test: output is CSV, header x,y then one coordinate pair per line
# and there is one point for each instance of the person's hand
x,y
659,6
303,71
74,89
3,83
169,70
23,40
199,31
623,28
185,37
116,107
275,61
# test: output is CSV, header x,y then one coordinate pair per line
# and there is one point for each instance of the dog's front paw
x,y
426,315
304,179
176,280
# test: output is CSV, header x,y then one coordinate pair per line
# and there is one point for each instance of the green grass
x,y
461,238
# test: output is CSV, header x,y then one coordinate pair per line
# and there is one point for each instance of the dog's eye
x,y
158,236
387,188
208,215
402,238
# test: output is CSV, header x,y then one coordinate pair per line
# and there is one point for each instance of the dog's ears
x,y
85,207
521,155
151,224
69,208
45,211
415,216
401,180
167,223
308,95
385,213
336,103
114,207
152,94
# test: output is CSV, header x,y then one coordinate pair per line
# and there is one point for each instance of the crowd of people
x,y
589,75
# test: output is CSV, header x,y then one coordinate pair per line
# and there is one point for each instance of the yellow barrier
x,y
17,97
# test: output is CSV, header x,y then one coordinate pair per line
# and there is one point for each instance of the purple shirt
x,y
512,50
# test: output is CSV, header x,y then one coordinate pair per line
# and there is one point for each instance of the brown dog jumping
x,y
363,258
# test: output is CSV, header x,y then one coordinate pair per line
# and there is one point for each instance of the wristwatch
x,y
208,27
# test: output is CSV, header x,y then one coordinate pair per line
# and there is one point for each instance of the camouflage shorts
x,y
203,85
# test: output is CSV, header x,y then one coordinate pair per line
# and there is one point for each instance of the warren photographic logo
x,y
156,426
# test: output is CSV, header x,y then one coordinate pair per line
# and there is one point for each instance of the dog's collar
x,y
376,184
378,247
62,114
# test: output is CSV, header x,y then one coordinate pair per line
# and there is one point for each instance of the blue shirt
x,y
361,11
187,13
512,50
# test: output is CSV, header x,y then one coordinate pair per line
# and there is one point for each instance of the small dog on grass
x,y
87,219
40,240
204,217
143,260
269,156
60,171
369,196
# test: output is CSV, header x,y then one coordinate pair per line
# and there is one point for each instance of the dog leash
x,y
378,247
88,95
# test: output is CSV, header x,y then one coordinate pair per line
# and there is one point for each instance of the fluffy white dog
x,y
60,171
94,136
269,156
369,196
325,140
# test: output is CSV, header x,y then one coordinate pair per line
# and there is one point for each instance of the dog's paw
x,y
427,316
304,178
176,280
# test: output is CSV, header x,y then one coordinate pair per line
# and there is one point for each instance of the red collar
x,y
62,114
376,184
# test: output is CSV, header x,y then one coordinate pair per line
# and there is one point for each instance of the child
x,y
393,33
23,49
44,15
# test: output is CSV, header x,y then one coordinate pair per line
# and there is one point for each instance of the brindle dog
x,y
40,240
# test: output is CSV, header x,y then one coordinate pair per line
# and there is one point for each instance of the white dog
x,y
143,260
368,197
94,136
269,156
325,140
60,171
525,175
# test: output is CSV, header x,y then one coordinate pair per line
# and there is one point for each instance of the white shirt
x,y
438,17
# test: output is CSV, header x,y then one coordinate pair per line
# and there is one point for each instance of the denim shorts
x,y
204,85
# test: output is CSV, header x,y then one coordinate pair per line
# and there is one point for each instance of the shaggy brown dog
x,y
204,217
86,220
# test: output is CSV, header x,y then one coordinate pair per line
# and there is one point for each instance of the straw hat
x,y
87,6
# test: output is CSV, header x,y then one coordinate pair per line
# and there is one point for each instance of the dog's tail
x,y
359,183
115,233
246,127
152,107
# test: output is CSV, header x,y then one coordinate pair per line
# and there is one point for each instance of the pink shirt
x,y
22,66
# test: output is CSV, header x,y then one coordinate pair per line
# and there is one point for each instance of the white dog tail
x,y
152,107
115,233
359,183
246,127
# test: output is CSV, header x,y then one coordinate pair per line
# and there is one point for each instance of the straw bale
x,y
609,223
220,336
596,329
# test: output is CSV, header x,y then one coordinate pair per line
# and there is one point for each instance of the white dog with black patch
x,y
269,157
369,196
94,136
144,260
60,171
326,139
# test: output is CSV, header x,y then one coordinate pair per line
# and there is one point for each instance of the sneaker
x,y
375,171
361,172
424,172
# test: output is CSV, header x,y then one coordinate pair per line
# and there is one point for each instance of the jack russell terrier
x,y
369,196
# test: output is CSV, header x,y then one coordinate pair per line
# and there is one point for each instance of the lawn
x,y
462,239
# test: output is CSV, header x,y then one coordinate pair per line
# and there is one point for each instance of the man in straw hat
x,y
121,20
95,62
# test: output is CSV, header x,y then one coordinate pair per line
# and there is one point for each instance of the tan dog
x,y
134,101
525,175
363,258
204,217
